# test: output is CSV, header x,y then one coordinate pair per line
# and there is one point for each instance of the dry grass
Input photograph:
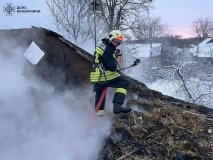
x,y
167,132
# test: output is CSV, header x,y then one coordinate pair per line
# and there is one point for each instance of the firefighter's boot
x,y
119,109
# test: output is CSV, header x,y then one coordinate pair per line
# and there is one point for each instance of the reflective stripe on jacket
x,y
104,54
97,76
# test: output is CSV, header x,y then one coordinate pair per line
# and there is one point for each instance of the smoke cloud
x,y
36,123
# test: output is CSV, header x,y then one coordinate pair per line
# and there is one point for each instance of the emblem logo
x,y
9,9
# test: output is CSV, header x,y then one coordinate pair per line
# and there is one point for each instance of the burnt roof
x,y
63,60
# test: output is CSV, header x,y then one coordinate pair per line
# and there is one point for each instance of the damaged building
x,y
161,127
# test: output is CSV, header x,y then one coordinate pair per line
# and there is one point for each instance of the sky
x,y
178,15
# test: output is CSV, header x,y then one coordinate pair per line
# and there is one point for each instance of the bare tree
x,y
147,28
203,27
177,71
120,12
194,89
204,92
69,16
75,18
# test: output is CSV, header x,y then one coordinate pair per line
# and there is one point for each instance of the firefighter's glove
x,y
118,53
136,62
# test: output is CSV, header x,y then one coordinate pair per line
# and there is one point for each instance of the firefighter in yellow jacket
x,y
105,72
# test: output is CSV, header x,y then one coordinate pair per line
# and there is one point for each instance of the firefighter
x,y
105,73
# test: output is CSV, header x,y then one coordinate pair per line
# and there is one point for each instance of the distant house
x,y
143,51
140,51
204,49
203,52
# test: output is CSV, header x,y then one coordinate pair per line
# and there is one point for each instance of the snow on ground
x,y
195,86
167,87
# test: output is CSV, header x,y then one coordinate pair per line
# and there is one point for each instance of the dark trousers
x,y
115,83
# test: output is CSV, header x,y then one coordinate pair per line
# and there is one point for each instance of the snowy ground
x,y
166,87
201,91
197,89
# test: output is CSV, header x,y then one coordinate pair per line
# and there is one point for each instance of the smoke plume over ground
x,y
37,123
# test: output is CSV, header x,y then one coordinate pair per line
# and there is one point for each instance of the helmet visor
x,y
121,38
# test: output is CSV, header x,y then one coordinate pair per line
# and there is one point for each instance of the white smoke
x,y
38,124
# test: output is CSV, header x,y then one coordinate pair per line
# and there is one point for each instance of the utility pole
x,y
150,39
94,12
121,59
95,7
120,18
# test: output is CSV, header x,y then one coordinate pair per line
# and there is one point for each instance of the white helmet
x,y
116,34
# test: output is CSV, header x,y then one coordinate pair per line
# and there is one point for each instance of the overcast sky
x,y
177,14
